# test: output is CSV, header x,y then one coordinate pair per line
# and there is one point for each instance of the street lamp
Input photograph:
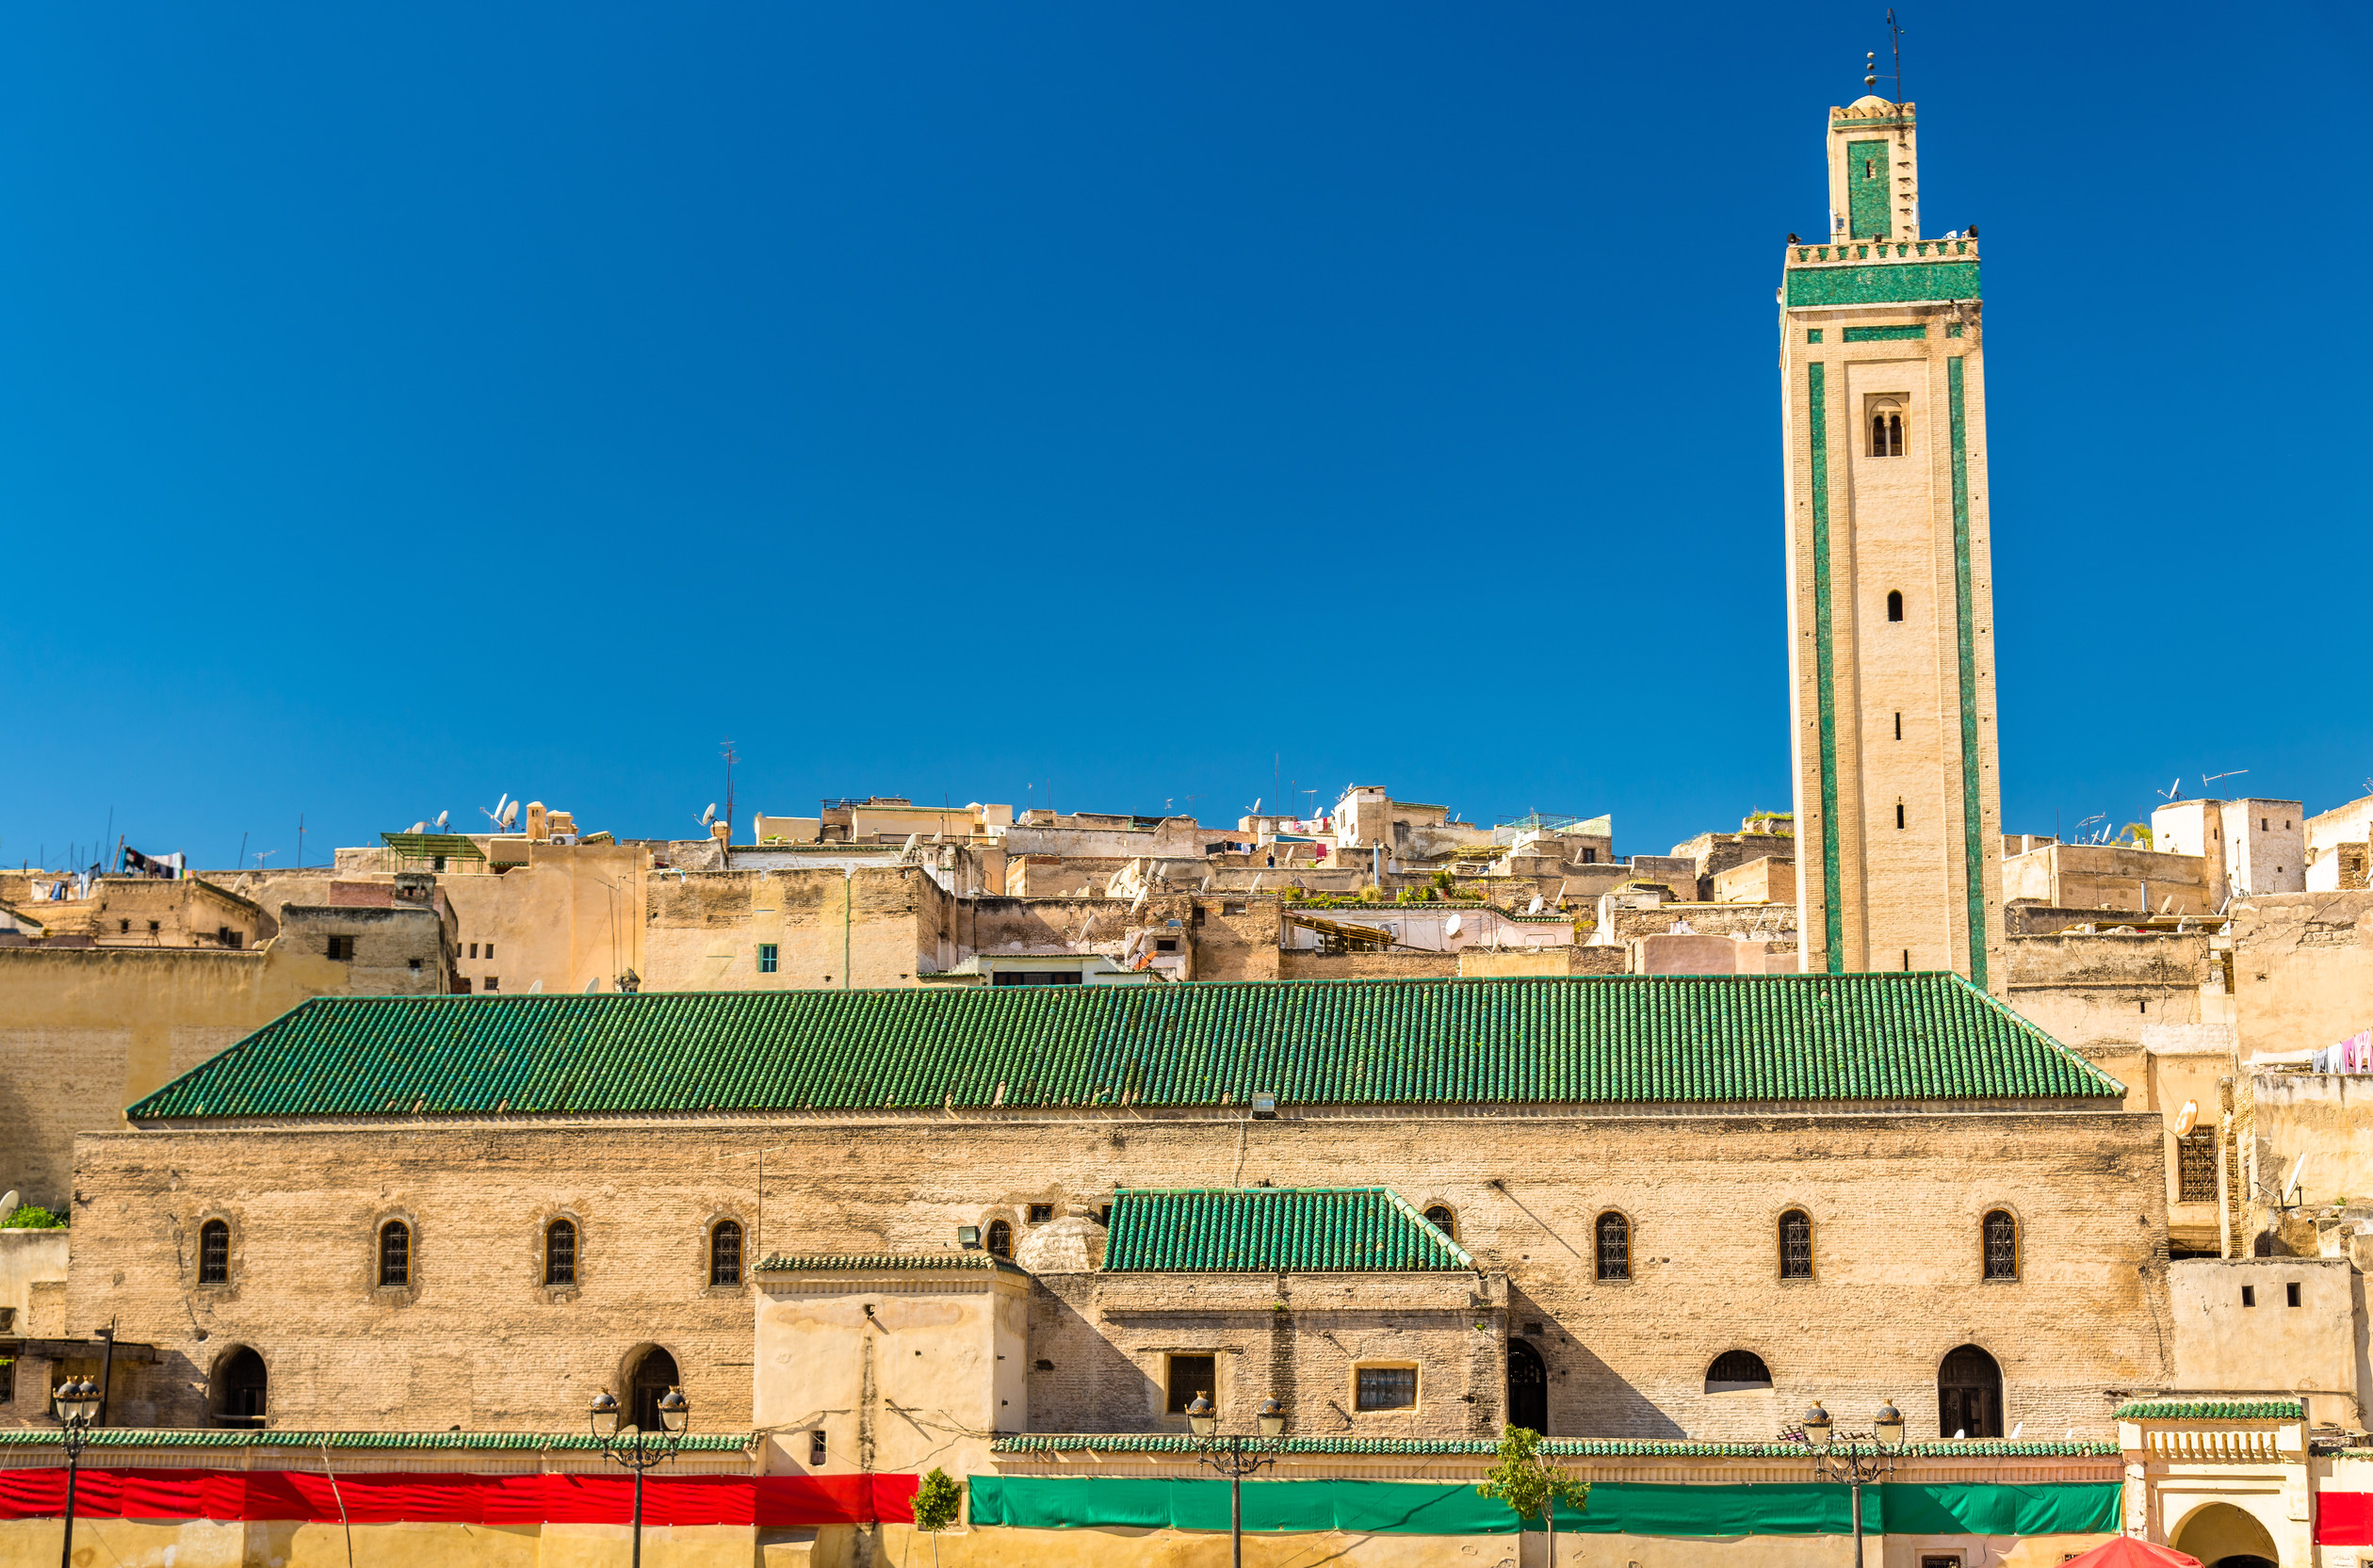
x,y
78,1408
1236,1457
638,1450
1856,1459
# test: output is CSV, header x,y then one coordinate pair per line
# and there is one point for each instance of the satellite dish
x,y
535,985
2291,1185
420,827
2016,1431
593,985
708,814
2187,1118
1451,926
511,814
9,1201
443,817
1535,907
1960,1433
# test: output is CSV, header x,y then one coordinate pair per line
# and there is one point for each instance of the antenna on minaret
x,y
1894,41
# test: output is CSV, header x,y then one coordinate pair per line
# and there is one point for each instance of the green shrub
x,y
31,1218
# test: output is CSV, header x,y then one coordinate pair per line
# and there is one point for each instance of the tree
x,y
937,1502
1524,1482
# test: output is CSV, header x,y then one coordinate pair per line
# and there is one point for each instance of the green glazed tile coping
x,y
176,1437
2212,1410
1580,1448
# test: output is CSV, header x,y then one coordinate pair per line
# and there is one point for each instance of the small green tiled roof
x,y
2212,1410
1574,1040
819,1263
1573,1448
187,1437
1272,1230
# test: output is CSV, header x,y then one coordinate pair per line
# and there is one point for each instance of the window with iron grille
x,y
724,1254
2196,1167
1796,1245
1442,1219
1614,1247
1041,1214
560,1253
1385,1388
214,1253
394,1253
2002,1246
999,1239
342,949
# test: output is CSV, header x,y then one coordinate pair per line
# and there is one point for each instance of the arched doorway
x,y
1528,1388
1969,1393
652,1374
235,1393
2223,1536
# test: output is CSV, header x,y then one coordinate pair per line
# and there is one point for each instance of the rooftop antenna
x,y
1894,41
725,750
2173,791
2207,779
494,815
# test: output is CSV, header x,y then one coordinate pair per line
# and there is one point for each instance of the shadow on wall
x,y
1592,1398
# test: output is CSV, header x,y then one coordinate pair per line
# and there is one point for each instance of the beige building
x,y
1890,623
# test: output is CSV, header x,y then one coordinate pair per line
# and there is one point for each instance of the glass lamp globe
x,y
1201,1418
675,1411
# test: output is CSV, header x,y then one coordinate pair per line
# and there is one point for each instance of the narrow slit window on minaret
x,y
1899,726
1894,603
1899,814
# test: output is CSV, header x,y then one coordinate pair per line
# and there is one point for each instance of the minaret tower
x,y
1891,595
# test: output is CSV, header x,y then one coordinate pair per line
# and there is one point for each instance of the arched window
x,y
1886,427
1969,1393
1736,1371
560,1253
1000,1239
654,1373
725,1253
1528,1388
2002,1246
214,1253
1615,1246
394,1253
1796,1245
1894,603
1442,1219
235,1395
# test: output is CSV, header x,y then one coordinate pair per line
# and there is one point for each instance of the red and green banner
x,y
1617,1508
376,1497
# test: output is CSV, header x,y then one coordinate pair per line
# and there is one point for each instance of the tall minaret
x,y
1890,647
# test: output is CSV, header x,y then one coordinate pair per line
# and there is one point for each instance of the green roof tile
x,y
2212,1410
1573,1040
820,1262
1585,1447
1272,1230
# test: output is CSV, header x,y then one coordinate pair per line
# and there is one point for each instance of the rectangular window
x,y
767,951
493,984
2290,1295
1940,1559
342,949
490,949
1813,335
1589,856
2196,1167
473,949
1385,1388
1190,1376
1165,945
816,1447
2248,1295
1231,909
1041,1214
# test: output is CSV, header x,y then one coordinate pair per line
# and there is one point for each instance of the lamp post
x,y
638,1450
1856,1459
1236,1457
77,1410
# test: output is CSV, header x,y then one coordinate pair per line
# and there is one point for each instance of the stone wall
x,y
475,1341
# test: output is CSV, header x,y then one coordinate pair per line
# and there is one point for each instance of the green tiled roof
x,y
817,1263
1272,1230
187,1437
427,846
1574,1040
1577,1448
2212,1410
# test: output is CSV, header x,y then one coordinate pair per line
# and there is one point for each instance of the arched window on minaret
x,y
1886,427
1894,610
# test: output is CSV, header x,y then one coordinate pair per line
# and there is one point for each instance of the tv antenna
x,y
1870,57
2207,779
725,750
505,812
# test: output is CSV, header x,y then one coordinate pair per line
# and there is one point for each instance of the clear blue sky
x,y
405,406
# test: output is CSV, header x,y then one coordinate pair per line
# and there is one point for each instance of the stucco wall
x,y
1897,1202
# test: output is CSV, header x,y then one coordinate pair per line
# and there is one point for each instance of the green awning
x,y
1617,1508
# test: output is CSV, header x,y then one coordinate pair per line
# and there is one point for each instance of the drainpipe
x,y
848,914
2225,1178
